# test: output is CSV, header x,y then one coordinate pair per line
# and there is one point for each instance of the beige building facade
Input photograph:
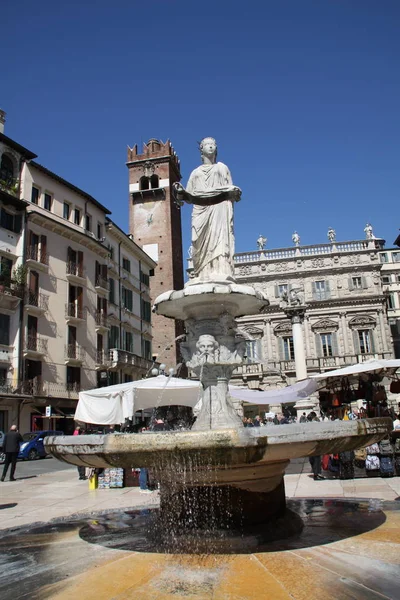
x,y
74,302
390,278
346,320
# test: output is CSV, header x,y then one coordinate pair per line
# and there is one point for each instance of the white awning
x,y
292,393
385,367
113,404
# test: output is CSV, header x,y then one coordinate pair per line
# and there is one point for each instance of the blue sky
x,y
302,96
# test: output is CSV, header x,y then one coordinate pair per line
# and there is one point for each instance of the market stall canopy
x,y
113,404
384,367
292,393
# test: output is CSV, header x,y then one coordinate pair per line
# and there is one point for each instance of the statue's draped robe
x,y
213,242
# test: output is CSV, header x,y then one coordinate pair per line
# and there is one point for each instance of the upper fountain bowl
x,y
210,300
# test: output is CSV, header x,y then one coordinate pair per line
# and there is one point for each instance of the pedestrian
x,y
315,461
81,470
11,443
303,418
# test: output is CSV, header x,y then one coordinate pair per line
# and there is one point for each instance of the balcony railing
x,y
101,282
76,269
314,250
75,311
121,358
40,301
101,319
38,387
35,343
37,254
101,357
74,352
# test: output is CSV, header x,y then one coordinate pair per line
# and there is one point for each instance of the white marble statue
x,y
369,234
212,194
331,235
296,239
261,242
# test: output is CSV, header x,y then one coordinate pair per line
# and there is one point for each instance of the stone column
x,y
268,336
296,315
383,330
307,335
345,333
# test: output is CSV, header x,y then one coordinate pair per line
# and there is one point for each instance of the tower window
x,y
144,183
154,182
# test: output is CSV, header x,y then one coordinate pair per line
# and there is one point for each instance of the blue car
x,y
32,446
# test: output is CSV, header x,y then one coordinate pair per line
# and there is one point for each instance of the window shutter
x,y
335,345
258,357
364,283
356,342
80,298
314,290
372,341
327,290
318,345
281,348
276,292
69,254
43,248
80,260
351,286
18,223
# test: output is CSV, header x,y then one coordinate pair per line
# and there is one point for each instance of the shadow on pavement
x,y
11,505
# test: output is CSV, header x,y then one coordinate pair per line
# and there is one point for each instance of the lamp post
x,y
162,370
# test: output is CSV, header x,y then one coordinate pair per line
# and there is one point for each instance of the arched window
x,y
154,182
144,183
7,169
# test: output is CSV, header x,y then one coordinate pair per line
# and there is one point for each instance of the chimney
x,y
2,120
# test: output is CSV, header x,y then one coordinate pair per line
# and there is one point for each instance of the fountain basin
x,y
241,467
210,300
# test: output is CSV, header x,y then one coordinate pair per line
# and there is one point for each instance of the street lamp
x,y
161,370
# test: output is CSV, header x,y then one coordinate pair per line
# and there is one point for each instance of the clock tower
x,y
155,223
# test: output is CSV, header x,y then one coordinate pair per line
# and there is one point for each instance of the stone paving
x,y
60,494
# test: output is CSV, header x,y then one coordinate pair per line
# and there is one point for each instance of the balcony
x,y
101,322
36,303
74,355
122,358
9,184
102,359
74,313
75,272
101,284
10,297
37,258
35,346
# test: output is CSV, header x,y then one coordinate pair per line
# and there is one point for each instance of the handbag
x,y
395,386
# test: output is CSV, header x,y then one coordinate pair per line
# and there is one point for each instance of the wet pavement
x,y
338,540
346,549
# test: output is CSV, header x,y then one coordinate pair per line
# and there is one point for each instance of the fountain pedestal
x,y
212,349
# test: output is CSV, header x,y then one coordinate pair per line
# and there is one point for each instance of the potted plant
x,y
19,279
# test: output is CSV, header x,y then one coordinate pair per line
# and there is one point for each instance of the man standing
x,y
11,443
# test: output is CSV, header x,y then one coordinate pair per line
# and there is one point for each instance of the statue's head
x,y
206,344
208,147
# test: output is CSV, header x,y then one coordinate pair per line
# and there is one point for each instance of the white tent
x,y
382,367
113,404
292,393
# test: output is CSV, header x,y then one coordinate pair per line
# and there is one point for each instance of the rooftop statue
x,y
212,194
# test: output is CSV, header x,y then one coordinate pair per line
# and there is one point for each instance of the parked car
x,y
32,446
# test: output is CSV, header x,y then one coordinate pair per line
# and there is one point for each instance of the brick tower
x,y
155,223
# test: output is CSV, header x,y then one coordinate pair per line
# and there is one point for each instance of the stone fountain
x,y
219,463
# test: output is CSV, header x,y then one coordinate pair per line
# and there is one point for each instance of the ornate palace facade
x,y
346,319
